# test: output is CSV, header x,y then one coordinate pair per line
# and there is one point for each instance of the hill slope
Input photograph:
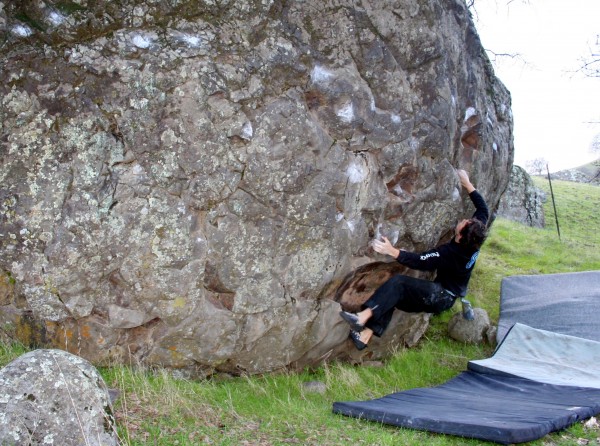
x,y
587,173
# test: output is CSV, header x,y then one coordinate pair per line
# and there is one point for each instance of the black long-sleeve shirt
x,y
453,262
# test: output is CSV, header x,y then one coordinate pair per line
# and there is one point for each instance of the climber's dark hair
x,y
473,234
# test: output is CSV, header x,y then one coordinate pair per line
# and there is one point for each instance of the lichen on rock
x,y
54,397
191,184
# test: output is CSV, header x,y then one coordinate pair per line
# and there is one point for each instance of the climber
x,y
453,262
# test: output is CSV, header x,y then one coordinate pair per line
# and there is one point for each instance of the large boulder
x,y
52,397
190,183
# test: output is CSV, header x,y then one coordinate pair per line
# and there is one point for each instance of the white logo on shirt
x,y
431,254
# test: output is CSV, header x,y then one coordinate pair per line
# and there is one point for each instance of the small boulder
x,y
492,335
52,397
473,331
315,387
592,423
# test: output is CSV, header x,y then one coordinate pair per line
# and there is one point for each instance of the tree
x,y
595,149
495,56
590,65
536,166
595,144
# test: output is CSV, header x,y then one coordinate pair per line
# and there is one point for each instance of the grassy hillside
x,y
155,409
590,169
586,173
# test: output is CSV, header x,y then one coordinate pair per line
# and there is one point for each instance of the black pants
x,y
406,294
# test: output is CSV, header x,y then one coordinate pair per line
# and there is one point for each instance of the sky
x,y
553,105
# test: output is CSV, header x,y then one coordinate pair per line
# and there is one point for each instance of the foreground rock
x,y
51,397
189,184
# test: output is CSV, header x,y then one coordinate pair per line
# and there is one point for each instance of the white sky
x,y
552,104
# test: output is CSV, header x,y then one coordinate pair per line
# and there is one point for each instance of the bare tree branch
x,y
496,56
590,65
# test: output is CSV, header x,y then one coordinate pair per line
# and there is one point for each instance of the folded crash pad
x,y
565,303
542,377
495,408
544,356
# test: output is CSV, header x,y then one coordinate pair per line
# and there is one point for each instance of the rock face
x,y
190,183
53,397
522,201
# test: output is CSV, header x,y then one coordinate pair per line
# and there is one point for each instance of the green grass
x,y
275,409
577,210
10,351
